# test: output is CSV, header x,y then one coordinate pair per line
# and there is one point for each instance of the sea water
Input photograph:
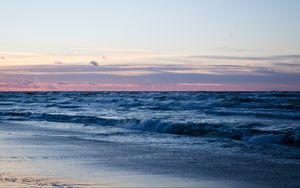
x,y
263,122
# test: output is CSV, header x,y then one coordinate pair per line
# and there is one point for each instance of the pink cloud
x,y
91,86
193,73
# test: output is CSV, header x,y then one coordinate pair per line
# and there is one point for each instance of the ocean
x,y
202,138
261,120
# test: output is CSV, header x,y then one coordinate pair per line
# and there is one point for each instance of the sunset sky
x,y
149,45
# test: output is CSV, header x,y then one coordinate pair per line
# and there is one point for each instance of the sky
x,y
133,45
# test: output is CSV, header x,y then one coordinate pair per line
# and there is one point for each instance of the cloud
x,y
199,84
255,58
94,63
149,75
178,71
94,86
58,63
114,50
296,64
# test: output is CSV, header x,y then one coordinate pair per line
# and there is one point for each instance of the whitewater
x,y
250,117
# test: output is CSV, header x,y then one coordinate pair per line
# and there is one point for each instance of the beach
x,y
149,139
31,159
57,161
149,94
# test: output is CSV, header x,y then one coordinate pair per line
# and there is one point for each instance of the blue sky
x,y
148,33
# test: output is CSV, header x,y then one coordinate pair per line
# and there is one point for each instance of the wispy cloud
x,y
255,58
95,63
157,71
80,56
94,86
111,50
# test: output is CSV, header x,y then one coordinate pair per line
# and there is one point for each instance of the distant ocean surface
x,y
252,121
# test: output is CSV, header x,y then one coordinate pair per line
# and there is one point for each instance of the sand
x,y
10,180
36,157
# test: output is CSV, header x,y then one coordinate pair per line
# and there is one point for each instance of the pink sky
x,y
147,71
83,86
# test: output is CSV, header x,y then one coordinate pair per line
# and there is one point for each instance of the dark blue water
x,y
249,119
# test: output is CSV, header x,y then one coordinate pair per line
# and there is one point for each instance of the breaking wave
x,y
253,117
218,130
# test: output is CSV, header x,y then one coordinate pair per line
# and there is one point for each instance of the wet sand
x,y
33,180
36,157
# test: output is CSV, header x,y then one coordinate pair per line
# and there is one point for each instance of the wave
x,y
268,114
83,119
246,133
256,117
291,137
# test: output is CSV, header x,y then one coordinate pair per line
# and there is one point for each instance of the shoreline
x,y
35,180
82,163
58,161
